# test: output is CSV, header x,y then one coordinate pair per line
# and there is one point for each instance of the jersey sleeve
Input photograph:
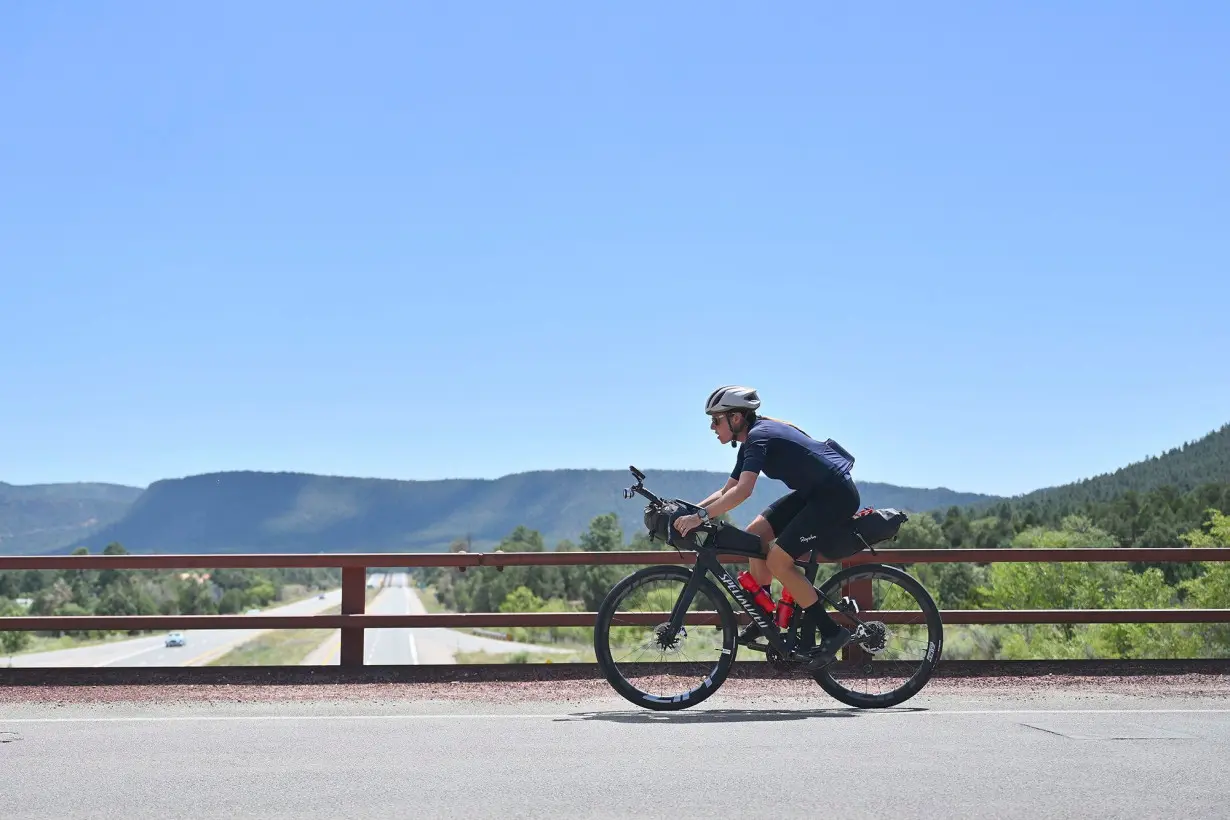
x,y
753,453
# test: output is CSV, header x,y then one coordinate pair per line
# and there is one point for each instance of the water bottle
x,y
758,593
785,608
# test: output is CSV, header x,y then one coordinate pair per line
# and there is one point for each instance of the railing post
x,y
354,602
862,592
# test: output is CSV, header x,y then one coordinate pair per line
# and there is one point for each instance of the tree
x,y
232,601
1145,590
594,582
261,593
522,539
12,642
1074,531
52,598
521,599
922,532
1215,533
1211,588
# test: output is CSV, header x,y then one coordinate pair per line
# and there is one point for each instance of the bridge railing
x,y
353,619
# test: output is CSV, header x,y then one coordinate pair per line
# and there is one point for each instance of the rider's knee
x,y
760,527
779,560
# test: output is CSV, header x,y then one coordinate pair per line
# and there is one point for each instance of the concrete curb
x,y
483,673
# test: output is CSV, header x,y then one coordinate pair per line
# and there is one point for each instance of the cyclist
x,y
819,509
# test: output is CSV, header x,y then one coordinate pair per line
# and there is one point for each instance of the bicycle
x,y
868,652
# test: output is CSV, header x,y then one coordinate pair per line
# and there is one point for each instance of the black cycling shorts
x,y
819,520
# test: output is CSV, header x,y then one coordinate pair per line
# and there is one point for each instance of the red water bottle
x,y
759,593
785,608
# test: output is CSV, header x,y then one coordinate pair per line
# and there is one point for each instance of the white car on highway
x,y
176,639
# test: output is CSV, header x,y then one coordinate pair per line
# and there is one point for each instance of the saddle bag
x,y
873,526
868,528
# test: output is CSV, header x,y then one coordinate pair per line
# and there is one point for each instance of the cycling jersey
x,y
788,455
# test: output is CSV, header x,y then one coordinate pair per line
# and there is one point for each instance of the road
x,y
202,644
989,755
414,646
381,646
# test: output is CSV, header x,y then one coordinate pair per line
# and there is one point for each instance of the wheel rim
x,y
639,649
882,666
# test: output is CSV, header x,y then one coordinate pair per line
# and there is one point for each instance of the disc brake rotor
x,y
672,647
874,637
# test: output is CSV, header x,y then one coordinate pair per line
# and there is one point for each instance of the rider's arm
x,y
747,467
733,496
730,482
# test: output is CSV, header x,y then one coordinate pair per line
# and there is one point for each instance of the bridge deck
x,y
1053,747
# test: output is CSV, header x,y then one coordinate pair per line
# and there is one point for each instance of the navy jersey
x,y
790,456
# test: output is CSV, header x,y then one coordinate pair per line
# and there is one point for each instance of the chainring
x,y
774,659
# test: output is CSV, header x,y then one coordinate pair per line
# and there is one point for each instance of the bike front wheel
x,y
646,665
899,649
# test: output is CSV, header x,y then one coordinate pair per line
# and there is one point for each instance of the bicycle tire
x,y
610,669
935,636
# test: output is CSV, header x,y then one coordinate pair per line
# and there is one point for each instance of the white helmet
x,y
732,397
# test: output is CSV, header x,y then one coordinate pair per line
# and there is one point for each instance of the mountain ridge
x,y
37,517
286,511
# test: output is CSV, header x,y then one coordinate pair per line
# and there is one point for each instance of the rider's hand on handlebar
x,y
686,523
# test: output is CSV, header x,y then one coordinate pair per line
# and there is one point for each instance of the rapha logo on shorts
x,y
806,538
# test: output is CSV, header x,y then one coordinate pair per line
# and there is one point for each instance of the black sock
x,y
827,626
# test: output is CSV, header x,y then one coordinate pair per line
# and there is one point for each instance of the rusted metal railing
x,y
353,619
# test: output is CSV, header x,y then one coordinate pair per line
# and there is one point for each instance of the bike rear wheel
x,y
648,667
902,649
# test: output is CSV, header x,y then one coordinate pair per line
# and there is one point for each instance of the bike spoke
x,y
902,648
692,656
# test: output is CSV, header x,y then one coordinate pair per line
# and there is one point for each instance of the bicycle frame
x,y
785,642
707,564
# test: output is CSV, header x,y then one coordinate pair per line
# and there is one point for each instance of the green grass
x,y
430,602
282,647
583,656
42,643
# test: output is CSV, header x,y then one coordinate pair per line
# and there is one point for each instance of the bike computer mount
x,y
630,492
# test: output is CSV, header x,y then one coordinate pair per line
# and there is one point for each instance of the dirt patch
x,y
574,691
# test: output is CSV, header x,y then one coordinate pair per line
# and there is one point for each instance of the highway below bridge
x,y
395,595
1056,747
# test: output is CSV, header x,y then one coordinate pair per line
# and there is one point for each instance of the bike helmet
x,y
732,398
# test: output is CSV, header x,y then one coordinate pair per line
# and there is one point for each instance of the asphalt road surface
x,y
947,756
202,644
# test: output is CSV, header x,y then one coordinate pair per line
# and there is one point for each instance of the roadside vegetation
x,y
1160,518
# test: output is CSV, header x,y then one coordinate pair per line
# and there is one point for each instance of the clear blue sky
x,y
984,248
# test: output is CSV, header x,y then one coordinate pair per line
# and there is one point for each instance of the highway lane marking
x,y
231,643
414,652
147,649
665,717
